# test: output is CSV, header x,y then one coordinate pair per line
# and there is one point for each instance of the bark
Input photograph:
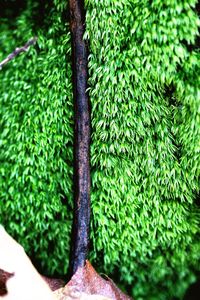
x,y
82,137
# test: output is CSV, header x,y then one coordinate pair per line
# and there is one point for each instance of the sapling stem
x,y
17,51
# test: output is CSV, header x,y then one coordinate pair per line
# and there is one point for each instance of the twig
x,y
17,51
82,137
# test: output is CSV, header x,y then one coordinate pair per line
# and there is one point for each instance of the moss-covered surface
x,y
144,90
36,134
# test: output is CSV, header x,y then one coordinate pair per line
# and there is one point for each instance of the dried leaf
x,y
86,283
70,293
53,283
4,276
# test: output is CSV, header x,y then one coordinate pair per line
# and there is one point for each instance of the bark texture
x,y
82,137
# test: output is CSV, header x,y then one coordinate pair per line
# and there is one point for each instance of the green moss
x,y
144,91
36,136
145,154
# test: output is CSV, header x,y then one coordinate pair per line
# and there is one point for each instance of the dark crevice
x,y
40,15
169,91
193,291
11,9
169,94
192,47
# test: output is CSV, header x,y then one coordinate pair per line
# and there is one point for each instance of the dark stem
x,y
17,51
81,221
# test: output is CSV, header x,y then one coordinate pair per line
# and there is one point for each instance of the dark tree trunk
x,y
82,137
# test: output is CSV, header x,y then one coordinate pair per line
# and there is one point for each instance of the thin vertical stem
x,y
82,137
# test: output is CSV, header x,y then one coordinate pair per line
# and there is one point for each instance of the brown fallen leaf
x,y
4,276
72,294
54,283
87,284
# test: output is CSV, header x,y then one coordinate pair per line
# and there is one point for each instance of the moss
x,y
36,121
145,153
144,91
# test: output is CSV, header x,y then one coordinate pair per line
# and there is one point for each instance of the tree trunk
x,y
82,137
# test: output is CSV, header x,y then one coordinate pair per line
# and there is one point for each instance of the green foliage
x,y
36,135
144,90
